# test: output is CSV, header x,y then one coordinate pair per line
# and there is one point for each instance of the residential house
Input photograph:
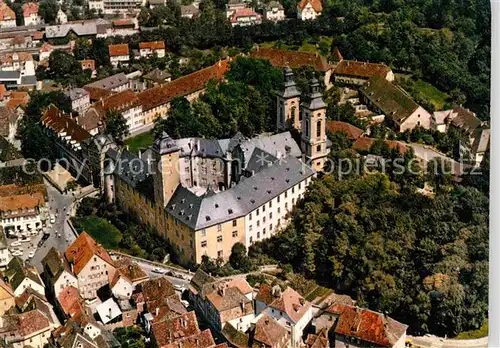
x,y
21,277
181,331
80,99
245,17
30,14
61,18
189,11
91,264
115,83
18,61
57,273
114,7
69,302
352,326
156,77
109,312
7,297
89,64
5,255
358,73
233,6
29,329
127,276
480,144
147,49
274,11
21,212
7,16
8,123
401,111
155,3
457,117
30,300
119,54
264,332
363,145
45,52
309,9
293,312
222,301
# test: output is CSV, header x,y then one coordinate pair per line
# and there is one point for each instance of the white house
x,y
22,213
147,49
21,277
57,272
30,14
61,18
121,286
7,16
97,5
290,309
80,99
245,17
119,54
4,250
274,11
309,9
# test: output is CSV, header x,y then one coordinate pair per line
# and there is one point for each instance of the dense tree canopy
x,y
423,261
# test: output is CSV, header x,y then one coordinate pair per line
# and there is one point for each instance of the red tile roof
x,y
169,331
202,340
30,8
21,201
123,23
368,326
269,332
241,284
361,69
58,122
37,35
316,5
163,94
152,45
244,12
83,249
124,100
6,13
265,294
157,290
70,300
97,93
293,59
118,50
351,131
317,341
130,270
365,144
292,304
32,322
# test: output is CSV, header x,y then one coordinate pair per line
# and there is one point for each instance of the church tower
x,y
313,111
287,104
165,168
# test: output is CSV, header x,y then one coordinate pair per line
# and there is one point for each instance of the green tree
x,y
48,10
64,67
239,259
116,125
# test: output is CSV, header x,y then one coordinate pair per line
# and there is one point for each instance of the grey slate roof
x,y
9,75
110,82
315,98
290,89
157,75
259,159
28,80
164,144
79,28
250,193
481,141
76,93
199,147
128,167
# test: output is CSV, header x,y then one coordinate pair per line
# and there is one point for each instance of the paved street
x,y
59,206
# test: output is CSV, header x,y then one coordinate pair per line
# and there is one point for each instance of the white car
x,y
185,303
17,253
179,287
15,244
31,254
157,270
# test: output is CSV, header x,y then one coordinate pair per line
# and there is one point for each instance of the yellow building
x,y
7,298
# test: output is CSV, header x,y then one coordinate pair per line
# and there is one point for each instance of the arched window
x,y
294,109
318,128
306,131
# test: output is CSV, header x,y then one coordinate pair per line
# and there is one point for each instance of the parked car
x,y
16,243
157,270
31,254
185,303
179,287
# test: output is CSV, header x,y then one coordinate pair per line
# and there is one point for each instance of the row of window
x,y
219,238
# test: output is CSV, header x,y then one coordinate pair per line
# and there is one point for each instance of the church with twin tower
x,y
307,116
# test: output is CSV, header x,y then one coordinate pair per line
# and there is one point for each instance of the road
x,y
59,205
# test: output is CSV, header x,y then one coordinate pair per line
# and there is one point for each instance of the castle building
x,y
205,195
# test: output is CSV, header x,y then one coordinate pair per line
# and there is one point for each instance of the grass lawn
x,y
100,229
479,333
318,294
434,95
306,46
141,141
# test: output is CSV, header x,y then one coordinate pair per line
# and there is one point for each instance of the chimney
x,y
157,311
197,342
109,313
